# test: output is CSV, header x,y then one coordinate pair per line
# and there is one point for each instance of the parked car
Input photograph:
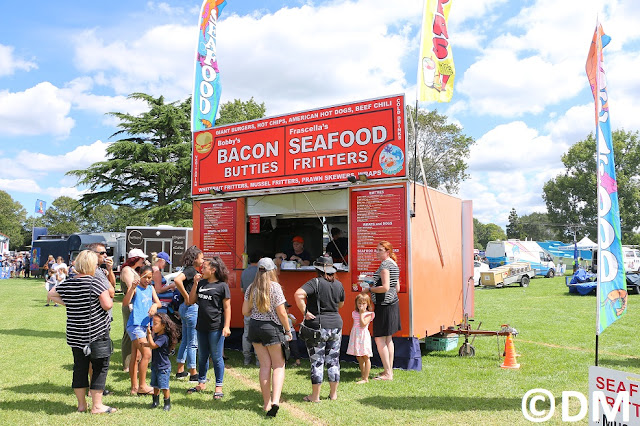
x,y
477,268
631,260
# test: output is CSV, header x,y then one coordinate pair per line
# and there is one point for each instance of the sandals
x,y
273,411
149,392
194,390
218,395
307,399
108,410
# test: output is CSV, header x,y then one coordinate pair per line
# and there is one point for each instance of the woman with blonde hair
x,y
269,328
87,300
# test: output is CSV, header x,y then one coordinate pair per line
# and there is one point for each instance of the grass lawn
x,y
556,344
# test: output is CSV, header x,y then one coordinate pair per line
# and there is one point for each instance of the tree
x,y
64,216
238,111
482,234
571,196
150,169
514,228
442,147
12,221
108,219
538,227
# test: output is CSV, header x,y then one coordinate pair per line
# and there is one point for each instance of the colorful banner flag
x,y
206,89
41,206
612,283
436,70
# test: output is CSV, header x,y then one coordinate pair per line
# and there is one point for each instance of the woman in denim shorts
x,y
268,329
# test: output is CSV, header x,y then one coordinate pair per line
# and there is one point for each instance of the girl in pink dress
x,y
360,339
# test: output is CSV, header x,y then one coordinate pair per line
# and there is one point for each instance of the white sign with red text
x,y
616,387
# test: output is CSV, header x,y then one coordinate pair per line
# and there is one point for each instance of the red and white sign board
x,y
611,383
326,145
377,215
218,228
254,224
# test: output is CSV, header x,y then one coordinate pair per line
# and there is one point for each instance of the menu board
x,y
218,227
377,215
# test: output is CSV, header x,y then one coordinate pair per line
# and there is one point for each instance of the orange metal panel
x,y
436,288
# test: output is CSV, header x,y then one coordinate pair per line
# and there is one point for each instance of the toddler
x,y
360,339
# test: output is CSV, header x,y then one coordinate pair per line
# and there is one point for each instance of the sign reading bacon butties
x,y
312,147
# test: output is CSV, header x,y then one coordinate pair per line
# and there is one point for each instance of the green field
x,y
555,341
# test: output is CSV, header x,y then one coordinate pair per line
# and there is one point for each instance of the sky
x,y
520,88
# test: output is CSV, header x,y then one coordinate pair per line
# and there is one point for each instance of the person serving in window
x,y
297,253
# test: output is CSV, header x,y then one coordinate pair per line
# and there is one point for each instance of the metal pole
x,y
597,350
415,158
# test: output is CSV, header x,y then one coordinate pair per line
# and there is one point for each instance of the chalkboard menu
x,y
377,215
218,227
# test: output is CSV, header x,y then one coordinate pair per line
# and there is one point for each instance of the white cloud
x,y
80,158
10,64
501,84
28,165
293,59
514,146
39,110
30,186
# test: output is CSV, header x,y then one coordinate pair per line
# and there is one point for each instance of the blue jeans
x,y
189,344
210,343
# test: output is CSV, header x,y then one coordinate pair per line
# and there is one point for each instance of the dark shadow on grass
x,y
30,405
615,362
449,403
25,332
245,399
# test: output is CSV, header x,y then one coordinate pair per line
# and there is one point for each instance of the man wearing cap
x,y
297,253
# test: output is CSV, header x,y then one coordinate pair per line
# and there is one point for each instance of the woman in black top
x,y
214,318
87,300
191,261
319,300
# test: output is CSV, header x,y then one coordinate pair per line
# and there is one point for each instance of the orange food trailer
x,y
258,184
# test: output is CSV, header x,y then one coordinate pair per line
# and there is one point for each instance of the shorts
x,y
266,333
136,332
160,378
50,285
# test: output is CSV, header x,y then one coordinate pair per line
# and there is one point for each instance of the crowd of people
x,y
203,294
18,264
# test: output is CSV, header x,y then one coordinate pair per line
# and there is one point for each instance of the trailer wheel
x,y
467,350
551,273
524,282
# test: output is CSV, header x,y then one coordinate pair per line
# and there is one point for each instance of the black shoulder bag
x,y
311,336
102,347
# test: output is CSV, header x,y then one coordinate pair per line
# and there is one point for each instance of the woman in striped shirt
x,y
87,300
384,294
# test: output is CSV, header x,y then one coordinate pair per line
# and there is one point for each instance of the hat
x,y
298,239
324,264
267,264
164,256
136,253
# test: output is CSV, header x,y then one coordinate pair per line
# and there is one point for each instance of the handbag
x,y
312,336
286,351
101,348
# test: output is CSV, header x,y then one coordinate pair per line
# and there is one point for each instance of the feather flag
x,y
206,90
612,283
436,70
41,206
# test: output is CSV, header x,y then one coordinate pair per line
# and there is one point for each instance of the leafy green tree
x,y
64,216
571,196
13,218
538,227
238,111
150,168
482,234
514,228
442,147
106,218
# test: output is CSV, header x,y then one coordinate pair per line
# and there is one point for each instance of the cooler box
x,y
441,343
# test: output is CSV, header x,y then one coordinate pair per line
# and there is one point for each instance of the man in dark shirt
x,y
338,247
297,253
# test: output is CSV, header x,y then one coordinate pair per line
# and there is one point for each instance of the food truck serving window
x,y
274,220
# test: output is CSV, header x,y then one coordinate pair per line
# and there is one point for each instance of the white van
x,y
504,252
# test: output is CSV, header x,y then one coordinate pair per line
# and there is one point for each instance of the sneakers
x,y
182,375
194,378
247,361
